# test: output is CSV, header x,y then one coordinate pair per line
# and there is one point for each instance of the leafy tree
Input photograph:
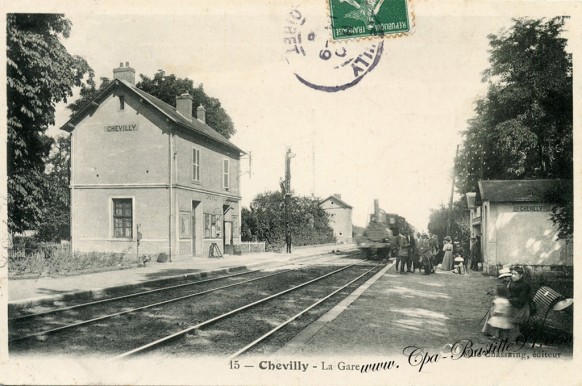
x,y
40,73
55,220
87,93
523,127
167,87
459,216
265,221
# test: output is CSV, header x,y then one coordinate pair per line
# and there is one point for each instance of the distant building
x,y
141,168
513,219
340,218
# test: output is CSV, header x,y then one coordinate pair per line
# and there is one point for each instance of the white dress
x,y
500,317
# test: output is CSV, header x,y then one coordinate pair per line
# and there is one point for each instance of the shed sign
x,y
116,128
531,208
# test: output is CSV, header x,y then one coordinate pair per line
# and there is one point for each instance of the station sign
x,y
531,208
119,128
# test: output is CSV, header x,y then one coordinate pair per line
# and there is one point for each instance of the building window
x,y
122,218
195,164
226,174
121,102
212,226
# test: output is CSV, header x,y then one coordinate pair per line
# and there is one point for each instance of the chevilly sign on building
x,y
118,128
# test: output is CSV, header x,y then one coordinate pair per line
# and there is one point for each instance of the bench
x,y
544,299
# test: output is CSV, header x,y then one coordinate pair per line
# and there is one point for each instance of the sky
x,y
390,137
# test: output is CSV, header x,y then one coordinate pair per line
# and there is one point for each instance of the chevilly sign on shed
x,y
531,208
115,128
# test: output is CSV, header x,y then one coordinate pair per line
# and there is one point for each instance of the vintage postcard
x,y
306,192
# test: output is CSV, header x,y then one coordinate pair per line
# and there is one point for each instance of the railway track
x,y
24,314
210,311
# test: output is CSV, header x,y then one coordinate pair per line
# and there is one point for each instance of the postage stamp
x,y
321,64
368,18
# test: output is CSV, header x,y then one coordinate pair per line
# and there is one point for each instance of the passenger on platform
x,y
434,250
414,257
447,264
401,259
476,254
288,242
411,251
424,250
501,322
459,265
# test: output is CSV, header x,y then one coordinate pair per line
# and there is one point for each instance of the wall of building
x,y
211,165
340,220
512,236
104,155
93,220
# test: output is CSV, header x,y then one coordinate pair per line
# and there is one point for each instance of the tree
x,y
523,127
167,87
87,93
460,229
40,73
265,220
55,219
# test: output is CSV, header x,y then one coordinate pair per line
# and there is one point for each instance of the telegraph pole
x,y
452,192
287,191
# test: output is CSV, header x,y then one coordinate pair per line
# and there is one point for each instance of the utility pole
x,y
452,192
287,191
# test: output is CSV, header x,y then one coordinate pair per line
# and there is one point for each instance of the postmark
x,y
368,18
322,64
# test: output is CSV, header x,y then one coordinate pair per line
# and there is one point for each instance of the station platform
x,y
29,292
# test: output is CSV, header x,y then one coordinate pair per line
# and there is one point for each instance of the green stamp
x,y
365,18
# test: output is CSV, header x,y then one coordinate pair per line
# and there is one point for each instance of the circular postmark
x,y
322,64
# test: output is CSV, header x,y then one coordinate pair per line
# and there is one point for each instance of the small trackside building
x,y
141,168
340,218
513,219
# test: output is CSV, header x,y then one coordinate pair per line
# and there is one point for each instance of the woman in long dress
x,y
448,257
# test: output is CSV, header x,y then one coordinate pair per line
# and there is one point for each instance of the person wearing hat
x,y
424,250
447,263
519,297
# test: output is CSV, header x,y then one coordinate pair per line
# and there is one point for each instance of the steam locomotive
x,y
379,237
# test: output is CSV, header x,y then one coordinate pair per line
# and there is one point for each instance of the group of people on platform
x,y
422,252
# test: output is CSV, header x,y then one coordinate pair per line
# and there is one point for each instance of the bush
x,y
60,262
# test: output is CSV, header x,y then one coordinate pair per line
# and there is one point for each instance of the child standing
x,y
501,320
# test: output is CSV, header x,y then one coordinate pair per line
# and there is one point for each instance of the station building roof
x,y
522,190
196,126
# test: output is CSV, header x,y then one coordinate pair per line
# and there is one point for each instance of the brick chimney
x,y
201,114
124,73
184,105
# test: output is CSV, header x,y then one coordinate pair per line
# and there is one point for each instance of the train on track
x,y
378,239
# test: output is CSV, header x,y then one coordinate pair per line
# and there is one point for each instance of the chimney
x,y
338,196
184,105
201,114
377,209
124,73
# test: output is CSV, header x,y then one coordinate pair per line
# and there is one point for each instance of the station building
x,y
340,218
142,169
512,217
